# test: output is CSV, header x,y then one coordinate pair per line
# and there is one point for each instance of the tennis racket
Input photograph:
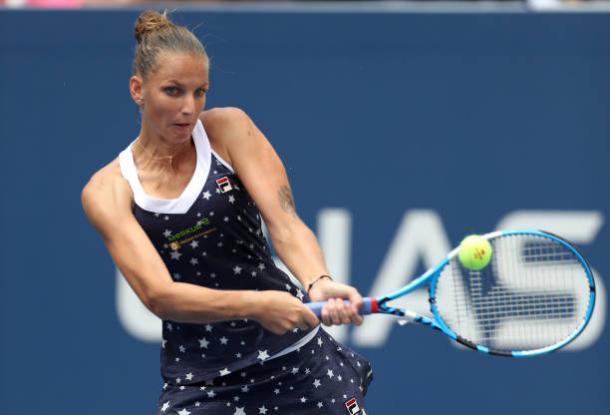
x,y
535,296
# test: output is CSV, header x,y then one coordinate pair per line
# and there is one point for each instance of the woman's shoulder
x,y
106,175
107,182
223,117
227,128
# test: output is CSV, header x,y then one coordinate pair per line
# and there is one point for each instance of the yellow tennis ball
x,y
475,252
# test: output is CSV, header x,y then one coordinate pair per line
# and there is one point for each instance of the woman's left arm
x,y
262,172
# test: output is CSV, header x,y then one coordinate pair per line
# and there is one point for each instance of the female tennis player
x,y
181,210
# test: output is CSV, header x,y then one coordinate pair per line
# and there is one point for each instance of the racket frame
x,y
380,304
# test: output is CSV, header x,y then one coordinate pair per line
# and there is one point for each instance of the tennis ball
x,y
475,252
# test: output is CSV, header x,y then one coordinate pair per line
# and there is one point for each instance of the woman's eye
x,y
201,92
171,90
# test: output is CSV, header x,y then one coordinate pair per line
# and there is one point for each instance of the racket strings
x,y
533,294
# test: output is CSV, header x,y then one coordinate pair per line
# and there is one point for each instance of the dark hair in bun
x,y
156,33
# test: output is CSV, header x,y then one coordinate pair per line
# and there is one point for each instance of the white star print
x,y
237,270
184,412
330,373
262,410
320,341
238,355
239,411
165,406
207,195
211,394
175,255
300,294
295,370
203,343
194,244
208,327
194,261
317,383
303,399
224,372
182,349
189,376
320,404
231,199
245,388
263,355
261,266
223,340
163,343
167,233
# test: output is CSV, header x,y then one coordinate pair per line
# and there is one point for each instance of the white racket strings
x,y
533,294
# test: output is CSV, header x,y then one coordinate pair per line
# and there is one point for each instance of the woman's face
x,y
173,96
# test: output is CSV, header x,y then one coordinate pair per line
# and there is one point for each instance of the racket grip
x,y
369,306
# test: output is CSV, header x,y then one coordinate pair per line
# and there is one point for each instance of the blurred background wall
x,y
401,130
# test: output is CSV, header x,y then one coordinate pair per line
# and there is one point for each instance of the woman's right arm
x,y
107,202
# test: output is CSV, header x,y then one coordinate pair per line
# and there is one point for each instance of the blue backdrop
x,y
400,132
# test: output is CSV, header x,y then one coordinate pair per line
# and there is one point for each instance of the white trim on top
x,y
223,161
181,204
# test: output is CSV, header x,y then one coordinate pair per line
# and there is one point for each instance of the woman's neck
x,y
154,152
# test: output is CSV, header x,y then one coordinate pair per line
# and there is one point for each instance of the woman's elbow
x,y
157,301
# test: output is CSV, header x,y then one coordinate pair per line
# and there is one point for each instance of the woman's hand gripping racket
x,y
534,296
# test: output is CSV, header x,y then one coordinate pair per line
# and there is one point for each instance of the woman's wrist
x,y
317,280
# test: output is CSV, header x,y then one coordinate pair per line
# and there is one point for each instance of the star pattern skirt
x,y
323,377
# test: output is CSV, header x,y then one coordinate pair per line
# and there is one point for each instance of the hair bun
x,y
150,21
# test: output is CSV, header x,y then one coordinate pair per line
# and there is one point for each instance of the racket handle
x,y
369,306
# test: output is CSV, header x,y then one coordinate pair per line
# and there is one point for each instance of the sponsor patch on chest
x,y
224,184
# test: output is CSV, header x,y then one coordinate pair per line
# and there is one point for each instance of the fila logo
x,y
224,184
352,407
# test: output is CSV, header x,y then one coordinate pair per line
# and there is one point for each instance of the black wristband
x,y
316,280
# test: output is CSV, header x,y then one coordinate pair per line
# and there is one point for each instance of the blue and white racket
x,y
535,296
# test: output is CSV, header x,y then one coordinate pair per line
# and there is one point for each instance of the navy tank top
x,y
212,236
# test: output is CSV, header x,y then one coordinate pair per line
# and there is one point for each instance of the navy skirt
x,y
322,377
